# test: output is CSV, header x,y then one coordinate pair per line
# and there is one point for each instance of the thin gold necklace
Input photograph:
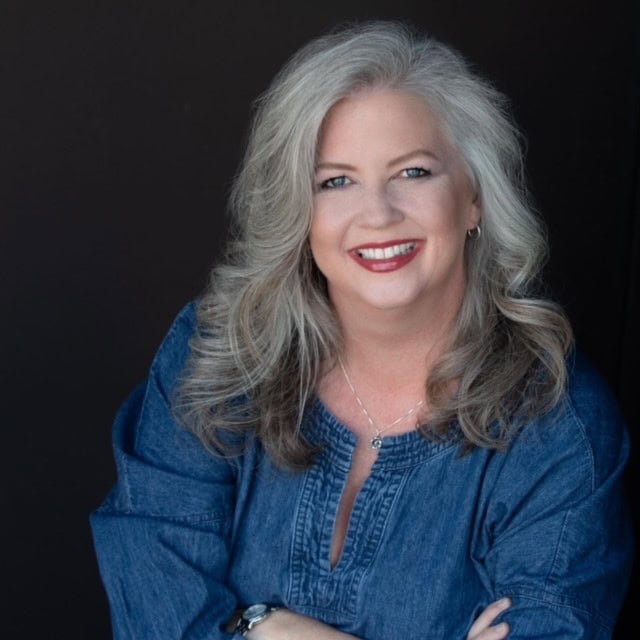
x,y
376,441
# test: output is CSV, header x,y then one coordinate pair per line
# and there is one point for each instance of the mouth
x,y
386,256
385,253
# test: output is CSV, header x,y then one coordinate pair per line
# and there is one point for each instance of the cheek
x,y
327,226
455,213
317,233
442,215
323,238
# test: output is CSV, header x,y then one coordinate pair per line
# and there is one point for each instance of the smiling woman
x,y
401,209
394,429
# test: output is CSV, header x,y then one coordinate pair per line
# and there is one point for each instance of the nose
x,y
378,209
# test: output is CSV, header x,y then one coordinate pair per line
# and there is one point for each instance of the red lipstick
x,y
382,257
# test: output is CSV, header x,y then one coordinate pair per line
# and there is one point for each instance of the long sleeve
x,y
161,536
557,534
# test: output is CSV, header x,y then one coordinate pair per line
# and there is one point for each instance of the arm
x,y
161,536
556,537
286,625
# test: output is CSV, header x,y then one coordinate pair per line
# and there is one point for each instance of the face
x,y
392,206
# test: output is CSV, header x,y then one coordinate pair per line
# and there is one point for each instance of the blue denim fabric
x,y
186,537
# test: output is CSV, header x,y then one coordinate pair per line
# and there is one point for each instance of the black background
x,y
121,126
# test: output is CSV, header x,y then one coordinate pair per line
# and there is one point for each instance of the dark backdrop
x,y
121,127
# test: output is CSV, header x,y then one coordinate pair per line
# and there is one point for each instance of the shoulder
x,y
592,407
590,397
585,430
171,357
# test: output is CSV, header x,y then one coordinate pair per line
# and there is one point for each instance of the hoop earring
x,y
474,233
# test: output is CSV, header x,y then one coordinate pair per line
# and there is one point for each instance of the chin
x,y
392,303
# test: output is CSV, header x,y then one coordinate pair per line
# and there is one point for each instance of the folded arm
x,y
161,536
556,537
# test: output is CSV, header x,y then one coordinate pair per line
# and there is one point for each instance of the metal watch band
x,y
252,616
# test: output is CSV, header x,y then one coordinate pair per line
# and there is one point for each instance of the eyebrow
x,y
404,157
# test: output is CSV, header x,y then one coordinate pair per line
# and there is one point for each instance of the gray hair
x,y
266,326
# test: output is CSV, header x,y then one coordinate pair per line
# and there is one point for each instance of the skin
x,y
286,625
386,174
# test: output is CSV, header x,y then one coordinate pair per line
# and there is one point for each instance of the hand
x,y
287,625
481,629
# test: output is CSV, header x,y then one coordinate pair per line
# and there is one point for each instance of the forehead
x,y
381,119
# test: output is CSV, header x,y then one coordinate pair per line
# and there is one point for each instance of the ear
x,y
474,215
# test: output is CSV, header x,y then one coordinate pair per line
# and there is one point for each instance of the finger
x,y
497,632
488,616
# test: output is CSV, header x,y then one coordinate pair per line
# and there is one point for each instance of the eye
x,y
334,183
415,172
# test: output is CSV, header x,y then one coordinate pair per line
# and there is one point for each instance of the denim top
x,y
186,537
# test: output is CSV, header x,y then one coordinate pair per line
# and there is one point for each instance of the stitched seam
x,y
557,549
191,518
548,598
580,424
385,525
196,518
585,439
127,484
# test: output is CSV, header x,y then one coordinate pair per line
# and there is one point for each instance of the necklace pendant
x,y
376,442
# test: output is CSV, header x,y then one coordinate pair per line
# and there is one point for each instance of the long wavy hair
x,y
266,326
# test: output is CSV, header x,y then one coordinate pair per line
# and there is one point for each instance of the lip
x,y
385,265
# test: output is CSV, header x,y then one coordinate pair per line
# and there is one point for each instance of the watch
x,y
252,616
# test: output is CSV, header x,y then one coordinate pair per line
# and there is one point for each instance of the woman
x,y
407,436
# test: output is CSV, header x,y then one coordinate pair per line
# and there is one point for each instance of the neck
x,y
396,346
389,354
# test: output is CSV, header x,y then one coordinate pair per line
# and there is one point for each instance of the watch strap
x,y
253,615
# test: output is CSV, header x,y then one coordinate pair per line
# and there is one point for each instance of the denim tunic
x,y
186,537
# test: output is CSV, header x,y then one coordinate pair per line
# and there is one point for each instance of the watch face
x,y
254,611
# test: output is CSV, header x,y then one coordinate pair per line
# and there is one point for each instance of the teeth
x,y
388,252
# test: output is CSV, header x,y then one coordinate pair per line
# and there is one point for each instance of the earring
x,y
474,233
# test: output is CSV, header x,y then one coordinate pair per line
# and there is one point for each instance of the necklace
x,y
376,441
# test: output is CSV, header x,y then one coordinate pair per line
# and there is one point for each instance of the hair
x,y
265,324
